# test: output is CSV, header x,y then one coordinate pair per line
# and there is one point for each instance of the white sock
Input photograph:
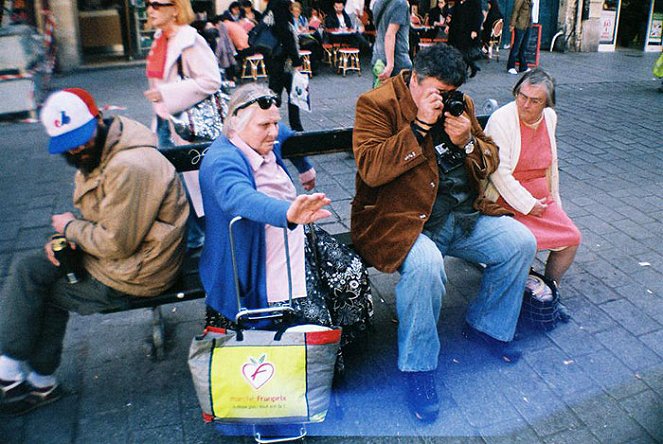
x,y
41,381
11,369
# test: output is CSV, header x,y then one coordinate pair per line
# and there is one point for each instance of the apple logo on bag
x,y
257,371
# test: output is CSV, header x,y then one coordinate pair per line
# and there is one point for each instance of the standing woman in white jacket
x,y
177,43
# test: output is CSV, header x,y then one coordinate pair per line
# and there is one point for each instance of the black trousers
x,y
279,79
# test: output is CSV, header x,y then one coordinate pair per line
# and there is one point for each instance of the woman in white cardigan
x,y
176,44
527,180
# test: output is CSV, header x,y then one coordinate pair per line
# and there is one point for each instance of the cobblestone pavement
x,y
598,378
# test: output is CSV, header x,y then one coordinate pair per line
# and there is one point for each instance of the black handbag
x,y
204,120
263,40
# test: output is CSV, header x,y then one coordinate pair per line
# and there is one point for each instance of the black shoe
x,y
506,351
422,395
35,398
11,391
564,314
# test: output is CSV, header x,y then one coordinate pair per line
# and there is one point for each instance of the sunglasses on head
x,y
156,5
264,102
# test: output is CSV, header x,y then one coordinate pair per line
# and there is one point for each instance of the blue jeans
x,y
518,49
506,247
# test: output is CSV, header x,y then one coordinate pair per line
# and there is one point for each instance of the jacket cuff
x,y
307,176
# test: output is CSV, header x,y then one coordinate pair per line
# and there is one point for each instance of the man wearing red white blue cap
x,y
129,233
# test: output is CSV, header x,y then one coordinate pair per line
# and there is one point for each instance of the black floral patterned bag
x,y
345,278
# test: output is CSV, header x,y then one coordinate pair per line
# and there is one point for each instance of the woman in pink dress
x,y
527,180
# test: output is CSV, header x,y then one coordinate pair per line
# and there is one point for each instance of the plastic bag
x,y
299,93
657,70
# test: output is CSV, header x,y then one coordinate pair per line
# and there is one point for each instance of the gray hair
x,y
243,94
538,76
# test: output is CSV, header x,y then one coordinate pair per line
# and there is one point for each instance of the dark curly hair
x,y
443,62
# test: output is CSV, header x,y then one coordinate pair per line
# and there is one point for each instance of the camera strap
x,y
448,155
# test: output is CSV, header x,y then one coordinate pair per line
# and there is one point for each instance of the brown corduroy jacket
x,y
397,178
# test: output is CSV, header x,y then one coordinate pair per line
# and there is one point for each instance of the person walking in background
x,y
421,174
520,23
355,10
493,15
278,16
130,238
178,47
464,30
527,180
392,41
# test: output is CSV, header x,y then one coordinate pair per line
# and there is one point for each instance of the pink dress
x,y
554,230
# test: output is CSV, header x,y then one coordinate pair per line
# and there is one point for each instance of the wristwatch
x,y
469,146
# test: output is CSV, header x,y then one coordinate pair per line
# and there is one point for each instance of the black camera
x,y
454,102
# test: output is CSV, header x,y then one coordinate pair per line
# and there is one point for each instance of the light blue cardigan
x,y
229,190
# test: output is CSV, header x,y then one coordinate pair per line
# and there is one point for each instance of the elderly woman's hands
x,y
540,207
307,208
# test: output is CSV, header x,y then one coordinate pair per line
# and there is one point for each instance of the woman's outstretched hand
x,y
307,208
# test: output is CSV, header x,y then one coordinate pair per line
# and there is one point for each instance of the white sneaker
x,y
513,71
527,70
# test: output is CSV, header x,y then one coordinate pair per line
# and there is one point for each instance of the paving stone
x,y
112,426
158,435
560,372
573,339
608,274
647,409
653,377
591,287
654,341
614,377
628,349
606,419
572,436
630,317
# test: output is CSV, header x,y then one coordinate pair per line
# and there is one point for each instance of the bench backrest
x,y
308,143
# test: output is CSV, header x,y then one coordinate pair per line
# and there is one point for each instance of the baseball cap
x,y
69,117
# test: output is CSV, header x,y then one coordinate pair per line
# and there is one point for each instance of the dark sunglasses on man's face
x,y
264,102
156,5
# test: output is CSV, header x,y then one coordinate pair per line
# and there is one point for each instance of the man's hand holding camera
x,y
458,128
430,108
430,111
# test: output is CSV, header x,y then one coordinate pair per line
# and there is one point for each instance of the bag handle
x,y
180,69
259,313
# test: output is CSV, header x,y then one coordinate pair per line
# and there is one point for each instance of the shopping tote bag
x,y
264,376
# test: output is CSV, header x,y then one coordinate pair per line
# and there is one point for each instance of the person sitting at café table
x,y
248,13
437,17
415,18
233,13
340,22
308,40
314,22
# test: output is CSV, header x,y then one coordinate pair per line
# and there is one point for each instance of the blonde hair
x,y
185,14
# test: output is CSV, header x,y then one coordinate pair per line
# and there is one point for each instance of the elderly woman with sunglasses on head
x,y
243,174
178,47
527,180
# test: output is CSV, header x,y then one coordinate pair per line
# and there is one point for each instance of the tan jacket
x,y
134,212
397,179
521,15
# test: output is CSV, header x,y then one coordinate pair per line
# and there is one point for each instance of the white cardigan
x,y
504,127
